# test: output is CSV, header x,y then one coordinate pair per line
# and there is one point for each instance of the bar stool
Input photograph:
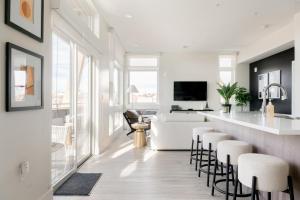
x,y
263,173
209,143
197,136
228,152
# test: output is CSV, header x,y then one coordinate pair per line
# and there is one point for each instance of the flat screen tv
x,y
190,90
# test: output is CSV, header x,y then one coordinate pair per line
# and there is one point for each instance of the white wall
x,y
273,43
25,135
242,75
190,66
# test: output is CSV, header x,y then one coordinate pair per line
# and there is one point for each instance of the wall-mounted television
x,y
190,90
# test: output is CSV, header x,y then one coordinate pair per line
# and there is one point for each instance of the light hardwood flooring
x,y
142,174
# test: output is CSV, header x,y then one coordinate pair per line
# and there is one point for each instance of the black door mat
x,y
79,184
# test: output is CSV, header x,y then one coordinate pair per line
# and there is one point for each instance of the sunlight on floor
x,y
127,171
149,155
122,151
126,143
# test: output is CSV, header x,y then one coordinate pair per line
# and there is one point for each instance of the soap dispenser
x,y
270,110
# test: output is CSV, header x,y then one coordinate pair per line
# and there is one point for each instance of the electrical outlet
x,y
24,169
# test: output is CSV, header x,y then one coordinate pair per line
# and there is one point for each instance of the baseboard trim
x,y
47,196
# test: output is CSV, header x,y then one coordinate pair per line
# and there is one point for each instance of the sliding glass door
x,y
71,107
63,135
83,107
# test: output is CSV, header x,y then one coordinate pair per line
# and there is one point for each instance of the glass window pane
x,y
225,61
61,73
225,77
146,84
116,84
144,62
88,14
83,107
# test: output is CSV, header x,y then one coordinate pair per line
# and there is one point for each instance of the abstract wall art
x,y
26,16
24,79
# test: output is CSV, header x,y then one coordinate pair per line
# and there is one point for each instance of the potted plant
x,y
242,97
227,91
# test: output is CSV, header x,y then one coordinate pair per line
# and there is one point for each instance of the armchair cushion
x,y
132,117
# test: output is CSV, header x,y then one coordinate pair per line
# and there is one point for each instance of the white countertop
x,y
255,120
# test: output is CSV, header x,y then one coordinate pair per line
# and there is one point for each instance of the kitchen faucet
x,y
264,94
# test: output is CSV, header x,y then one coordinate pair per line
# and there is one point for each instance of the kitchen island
x,y
276,136
256,120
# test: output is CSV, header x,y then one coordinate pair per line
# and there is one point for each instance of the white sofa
x,y
174,131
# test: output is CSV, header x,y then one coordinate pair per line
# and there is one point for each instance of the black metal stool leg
x,y
227,176
291,187
222,169
253,193
200,162
236,184
226,191
209,163
257,194
269,196
192,149
215,174
241,187
197,152
232,174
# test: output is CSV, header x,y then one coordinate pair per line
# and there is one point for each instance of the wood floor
x,y
142,174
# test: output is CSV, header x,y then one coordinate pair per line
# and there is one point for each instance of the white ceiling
x,y
202,25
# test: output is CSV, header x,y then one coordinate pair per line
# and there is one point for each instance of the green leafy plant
x,y
227,91
242,97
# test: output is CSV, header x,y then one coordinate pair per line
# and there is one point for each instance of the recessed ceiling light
x,y
256,13
128,16
266,26
185,46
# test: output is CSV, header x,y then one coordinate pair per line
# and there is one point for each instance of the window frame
x,y
63,37
116,66
228,69
143,69
75,47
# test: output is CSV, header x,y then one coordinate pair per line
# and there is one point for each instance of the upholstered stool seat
x,y
271,172
209,143
213,138
234,149
200,131
228,151
264,173
197,137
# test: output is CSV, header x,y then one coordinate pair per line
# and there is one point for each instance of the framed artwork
x,y
26,16
274,77
24,79
263,81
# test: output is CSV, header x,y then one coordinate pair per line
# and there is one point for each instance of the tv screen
x,y
190,90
